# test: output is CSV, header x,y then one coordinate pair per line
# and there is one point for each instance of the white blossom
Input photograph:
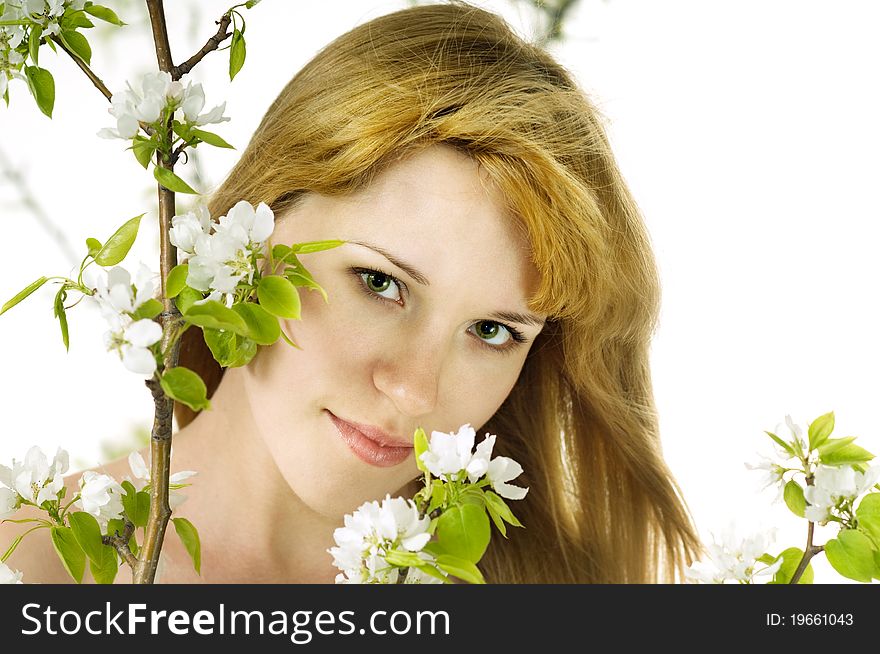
x,y
8,575
187,229
133,343
834,484
449,453
35,479
370,533
772,476
225,257
141,472
101,496
734,559
8,502
116,294
192,104
501,470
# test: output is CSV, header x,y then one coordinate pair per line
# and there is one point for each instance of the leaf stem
x,y
85,68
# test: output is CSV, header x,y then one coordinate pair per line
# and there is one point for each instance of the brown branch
x,y
212,44
160,437
160,35
120,543
810,550
85,68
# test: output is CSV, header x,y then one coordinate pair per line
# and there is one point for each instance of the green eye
x,y
377,282
492,332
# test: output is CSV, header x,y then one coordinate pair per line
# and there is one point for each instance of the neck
x,y
253,527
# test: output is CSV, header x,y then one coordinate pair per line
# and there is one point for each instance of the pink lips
x,y
370,444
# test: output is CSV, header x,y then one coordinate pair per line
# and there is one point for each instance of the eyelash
x,y
516,336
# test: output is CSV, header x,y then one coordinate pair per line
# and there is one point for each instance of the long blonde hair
x,y
603,506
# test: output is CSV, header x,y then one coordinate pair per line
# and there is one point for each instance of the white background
x,y
748,132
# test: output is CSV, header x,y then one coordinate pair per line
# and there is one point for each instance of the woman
x,y
496,271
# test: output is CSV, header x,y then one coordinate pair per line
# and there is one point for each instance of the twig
x,y
160,35
810,550
212,44
85,68
120,544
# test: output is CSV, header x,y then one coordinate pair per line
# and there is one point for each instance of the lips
x,y
371,444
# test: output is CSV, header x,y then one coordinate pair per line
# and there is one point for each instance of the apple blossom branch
x,y
212,44
85,68
120,543
810,550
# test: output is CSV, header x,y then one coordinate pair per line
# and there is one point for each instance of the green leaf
x,y
463,531
183,131
785,446
420,440
104,14
250,4
189,536
184,385
143,149
69,551
176,280
34,42
404,559
868,515
500,506
171,181
137,507
834,444
791,558
78,44
230,350
210,138
74,18
794,498
279,297
42,87
61,314
117,246
820,429
298,279
149,309
846,455
186,299
105,571
27,290
852,555
263,327
88,534
237,54
216,315
461,568
438,495
316,246
94,246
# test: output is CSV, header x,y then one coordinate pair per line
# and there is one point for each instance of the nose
x,y
410,378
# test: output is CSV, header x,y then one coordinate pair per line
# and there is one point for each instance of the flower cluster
x,y
374,531
101,497
11,37
9,576
130,336
222,257
835,484
155,97
33,480
449,457
734,559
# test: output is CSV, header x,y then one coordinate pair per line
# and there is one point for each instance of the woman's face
x,y
427,325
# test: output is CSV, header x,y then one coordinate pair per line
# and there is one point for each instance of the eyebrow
x,y
409,269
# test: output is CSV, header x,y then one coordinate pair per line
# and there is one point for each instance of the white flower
x,y
193,103
479,463
34,479
133,343
501,470
141,472
772,477
449,453
117,294
187,229
370,533
145,104
9,576
734,559
835,484
794,432
225,257
8,502
101,496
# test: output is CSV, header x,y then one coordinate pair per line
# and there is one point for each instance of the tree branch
x,y
85,68
120,543
810,550
212,44
160,437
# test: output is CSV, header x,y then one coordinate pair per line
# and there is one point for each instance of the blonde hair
x,y
603,506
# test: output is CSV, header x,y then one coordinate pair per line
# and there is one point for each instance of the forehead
x,y
437,210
